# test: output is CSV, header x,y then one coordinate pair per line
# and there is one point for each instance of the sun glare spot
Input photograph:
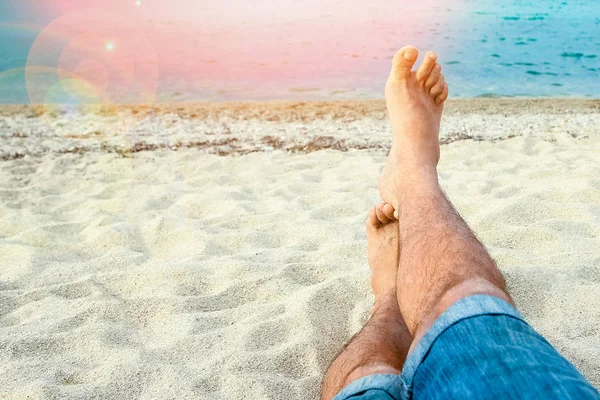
x,y
109,46
138,3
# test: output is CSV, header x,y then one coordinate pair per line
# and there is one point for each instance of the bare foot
x,y
383,250
415,101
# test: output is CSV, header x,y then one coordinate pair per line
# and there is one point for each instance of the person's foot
x,y
415,101
383,249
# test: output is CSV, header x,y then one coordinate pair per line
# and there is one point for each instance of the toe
x,y
442,96
381,215
434,76
425,68
403,62
372,220
438,88
388,210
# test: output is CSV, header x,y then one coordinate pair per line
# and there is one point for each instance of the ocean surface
x,y
286,50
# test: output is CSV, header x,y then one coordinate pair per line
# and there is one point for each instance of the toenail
x,y
410,55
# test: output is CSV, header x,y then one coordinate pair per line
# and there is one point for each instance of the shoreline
x,y
292,110
240,128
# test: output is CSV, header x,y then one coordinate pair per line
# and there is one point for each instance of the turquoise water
x,y
338,50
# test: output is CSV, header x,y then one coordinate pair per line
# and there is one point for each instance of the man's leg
x,y
469,340
441,261
382,345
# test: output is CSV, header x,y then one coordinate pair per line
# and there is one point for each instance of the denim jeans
x,y
479,348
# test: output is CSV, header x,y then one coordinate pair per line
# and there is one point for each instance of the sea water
x,y
330,49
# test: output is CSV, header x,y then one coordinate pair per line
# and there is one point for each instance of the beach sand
x,y
218,251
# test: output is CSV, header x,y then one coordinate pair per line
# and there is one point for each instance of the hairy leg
x,y
382,345
442,261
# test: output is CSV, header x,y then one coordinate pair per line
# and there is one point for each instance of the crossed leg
x,y
441,260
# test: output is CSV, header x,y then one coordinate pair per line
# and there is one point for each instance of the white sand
x,y
184,274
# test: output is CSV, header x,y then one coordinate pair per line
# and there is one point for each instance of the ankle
x,y
419,176
385,301
414,180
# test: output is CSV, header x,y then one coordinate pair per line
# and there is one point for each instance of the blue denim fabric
x,y
479,348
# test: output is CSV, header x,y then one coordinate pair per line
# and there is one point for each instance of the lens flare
x,y
96,56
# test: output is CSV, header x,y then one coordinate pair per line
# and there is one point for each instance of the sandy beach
x,y
217,251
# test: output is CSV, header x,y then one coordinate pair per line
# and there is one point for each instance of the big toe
x,y
403,62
